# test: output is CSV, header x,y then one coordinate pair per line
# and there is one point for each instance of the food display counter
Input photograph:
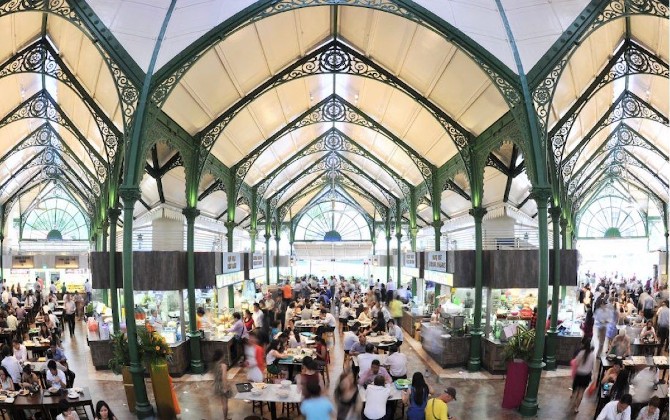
x,y
446,349
493,358
410,320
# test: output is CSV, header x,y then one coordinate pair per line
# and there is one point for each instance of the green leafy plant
x,y
153,346
89,308
521,345
120,353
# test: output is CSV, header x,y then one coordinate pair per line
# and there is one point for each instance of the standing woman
x,y
70,309
585,360
221,385
416,397
248,320
103,412
255,365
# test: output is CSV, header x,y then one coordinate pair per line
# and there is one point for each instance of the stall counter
x,y
181,359
447,351
101,352
210,346
493,358
566,348
409,321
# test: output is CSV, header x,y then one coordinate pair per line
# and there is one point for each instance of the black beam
x,y
159,182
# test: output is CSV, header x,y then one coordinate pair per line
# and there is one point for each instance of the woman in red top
x,y
248,320
322,356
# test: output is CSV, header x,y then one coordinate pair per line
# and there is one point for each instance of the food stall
x,y
255,268
412,275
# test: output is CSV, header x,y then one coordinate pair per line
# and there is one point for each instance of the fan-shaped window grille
x,y
55,219
611,217
325,221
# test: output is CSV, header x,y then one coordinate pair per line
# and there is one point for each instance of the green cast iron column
x,y
436,301
475,362
555,213
437,225
277,239
267,258
252,236
399,262
230,228
412,234
388,257
2,252
529,405
564,233
194,336
231,296
105,225
143,409
114,289
414,286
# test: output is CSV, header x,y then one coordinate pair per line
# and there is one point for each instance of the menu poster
x,y
409,259
232,262
436,261
257,260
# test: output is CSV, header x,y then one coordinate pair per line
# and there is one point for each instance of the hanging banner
x,y
409,259
436,261
257,260
232,262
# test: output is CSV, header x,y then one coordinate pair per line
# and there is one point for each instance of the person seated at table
x,y
379,323
651,411
20,313
618,409
12,320
103,412
365,359
309,373
55,377
44,332
376,397
364,316
395,331
350,338
397,363
359,346
620,345
3,320
648,334
292,334
324,299
272,357
56,352
66,411
6,380
12,365
275,330
322,356
375,370
612,373
52,322
30,380
416,397
19,350
306,313
290,313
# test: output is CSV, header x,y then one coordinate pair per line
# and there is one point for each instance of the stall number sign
x,y
409,259
437,261
67,262
22,261
257,260
231,262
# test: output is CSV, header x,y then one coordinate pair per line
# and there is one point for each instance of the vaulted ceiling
x,y
368,102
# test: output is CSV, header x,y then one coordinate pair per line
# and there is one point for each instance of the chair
x,y
69,378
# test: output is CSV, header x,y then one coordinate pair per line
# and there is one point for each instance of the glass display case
x,y
509,307
164,311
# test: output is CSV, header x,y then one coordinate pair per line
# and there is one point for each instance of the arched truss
x,y
55,213
336,216
611,216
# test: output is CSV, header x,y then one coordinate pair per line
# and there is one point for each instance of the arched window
x,y
611,217
332,222
55,219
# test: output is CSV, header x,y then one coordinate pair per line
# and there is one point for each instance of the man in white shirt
x,y
365,359
395,331
12,365
328,319
350,338
55,377
12,321
20,351
257,316
5,295
617,410
290,311
376,398
397,363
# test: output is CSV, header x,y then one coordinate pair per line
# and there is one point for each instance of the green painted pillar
x,y
475,362
552,334
436,301
529,405
230,228
564,233
277,239
252,236
267,258
231,296
399,262
437,225
105,225
388,257
194,336
414,286
667,257
412,235
114,215
143,409
2,253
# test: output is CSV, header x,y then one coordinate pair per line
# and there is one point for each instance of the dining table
x,y
271,394
46,403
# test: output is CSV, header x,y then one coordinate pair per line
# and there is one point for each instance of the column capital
x,y
114,214
253,231
230,224
129,195
190,213
666,234
267,236
541,195
555,213
2,237
478,213
564,223
398,235
437,224
413,231
388,238
277,238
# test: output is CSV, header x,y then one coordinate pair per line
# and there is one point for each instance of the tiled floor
x,y
479,394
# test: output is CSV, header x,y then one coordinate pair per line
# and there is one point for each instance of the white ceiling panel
x,y
214,204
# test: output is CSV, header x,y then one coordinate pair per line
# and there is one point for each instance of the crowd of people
x,y
356,311
620,315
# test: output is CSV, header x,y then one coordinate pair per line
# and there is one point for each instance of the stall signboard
x,y
67,261
446,279
23,261
409,259
436,261
19,271
232,262
223,280
257,260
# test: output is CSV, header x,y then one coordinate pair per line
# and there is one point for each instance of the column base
x,y
197,365
528,408
550,358
475,362
143,409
